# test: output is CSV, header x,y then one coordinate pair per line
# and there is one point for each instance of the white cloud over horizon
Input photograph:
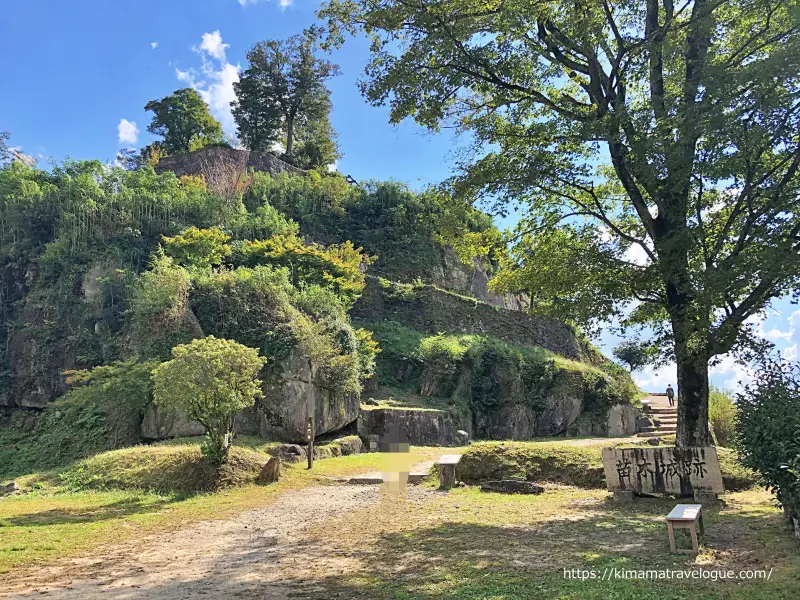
x,y
127,132
154,45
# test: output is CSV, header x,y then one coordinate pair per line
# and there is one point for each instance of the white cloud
x,y
127,131
636,255
215,81
790,352
776,334
736,373
213,46
651,379
283,3
154,45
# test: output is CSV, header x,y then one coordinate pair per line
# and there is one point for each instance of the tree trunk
x,y
289,135
692,400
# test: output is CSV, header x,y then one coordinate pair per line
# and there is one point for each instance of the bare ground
x,y
263,553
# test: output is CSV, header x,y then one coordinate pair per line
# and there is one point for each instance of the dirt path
x,y
262,553
258,554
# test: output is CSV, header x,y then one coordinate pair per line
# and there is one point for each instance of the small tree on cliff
x,y
184,121
283,92
210,380
691,111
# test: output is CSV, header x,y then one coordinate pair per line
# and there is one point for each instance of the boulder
x,y
291,453
462,438
288,402
643,422
350,445
9,488
622,420
511,486
271,471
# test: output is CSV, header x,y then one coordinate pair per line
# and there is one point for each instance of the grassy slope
x,y
554,461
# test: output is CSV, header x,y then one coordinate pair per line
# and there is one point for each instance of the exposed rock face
x,y
432,310
619,420
160,425
282,414
422,427
220,161
287,404
473,279
517,421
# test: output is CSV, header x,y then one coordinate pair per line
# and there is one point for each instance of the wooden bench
x,y
685,516
447,470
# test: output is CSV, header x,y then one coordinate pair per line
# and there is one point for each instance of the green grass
x,y
467,544
570,464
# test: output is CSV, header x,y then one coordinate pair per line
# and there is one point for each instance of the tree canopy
x,y
184,121
659,139
282,97
210,380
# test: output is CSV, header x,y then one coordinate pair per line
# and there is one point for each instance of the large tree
x,y
282,91
184,121
629,128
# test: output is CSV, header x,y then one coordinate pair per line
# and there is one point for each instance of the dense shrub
x,y
768,430
722,414
404,229
340,267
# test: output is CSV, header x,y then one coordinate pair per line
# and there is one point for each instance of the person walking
x,y
671,395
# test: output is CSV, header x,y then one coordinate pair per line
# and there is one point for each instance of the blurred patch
x,y
396,462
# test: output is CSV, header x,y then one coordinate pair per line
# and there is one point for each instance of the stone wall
x,y
429,309
210,161
423,427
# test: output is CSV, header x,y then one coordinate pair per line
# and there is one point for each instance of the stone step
x,y
664,411
657,432
414,478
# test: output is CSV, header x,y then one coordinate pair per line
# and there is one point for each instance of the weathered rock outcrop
x,y
619,420
423,427
297,395
516,420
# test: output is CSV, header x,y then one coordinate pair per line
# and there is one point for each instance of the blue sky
x,y
77,75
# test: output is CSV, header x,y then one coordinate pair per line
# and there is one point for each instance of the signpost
x,y
310,440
